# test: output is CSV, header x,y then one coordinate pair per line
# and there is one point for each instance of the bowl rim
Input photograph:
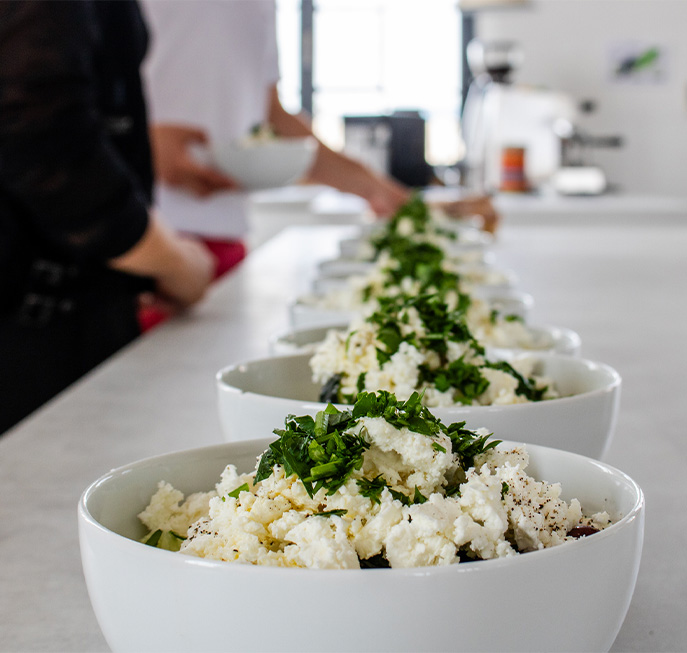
x,y
613,384
85,518
481,238
488,293
242,145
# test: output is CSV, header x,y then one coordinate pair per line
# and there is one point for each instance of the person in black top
x,y
78,240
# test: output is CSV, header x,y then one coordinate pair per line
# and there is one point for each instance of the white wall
x,y
566,45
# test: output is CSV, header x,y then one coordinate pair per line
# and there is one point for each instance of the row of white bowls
x,y
545,339
155,600
255,396
309,311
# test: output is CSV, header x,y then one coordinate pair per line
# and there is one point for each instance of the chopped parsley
x,y
235,493
441,326
331,513
319,451
372,489
467,444
417,213
418,497
527,387
324,453
464,378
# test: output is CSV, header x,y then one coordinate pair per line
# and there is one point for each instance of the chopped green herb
x,y
324,452
153,538
418,497
372,489
465,379
235,493
320,452
399,496
504,489
167,540
527,387
329,513
467,444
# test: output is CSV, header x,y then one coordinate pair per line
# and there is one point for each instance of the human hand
x,y
185,282
175,164
181,268
479,205
386,196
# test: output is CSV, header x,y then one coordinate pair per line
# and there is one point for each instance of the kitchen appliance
x,y
392,144
500,117
577,176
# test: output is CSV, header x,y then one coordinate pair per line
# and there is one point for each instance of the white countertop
x,y
621,289
322,205
622,208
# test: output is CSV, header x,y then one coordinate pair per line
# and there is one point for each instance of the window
x,y
374,57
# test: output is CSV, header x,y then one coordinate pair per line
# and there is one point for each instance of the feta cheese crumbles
x,y
386,484
418,344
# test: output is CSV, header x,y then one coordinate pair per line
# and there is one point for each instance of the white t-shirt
x,y
211,64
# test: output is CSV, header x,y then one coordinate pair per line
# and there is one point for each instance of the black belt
x,y
54,289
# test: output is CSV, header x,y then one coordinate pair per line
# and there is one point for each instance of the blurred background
x,y
570,97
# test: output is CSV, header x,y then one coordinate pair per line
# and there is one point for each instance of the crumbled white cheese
x,y
499,511
354,353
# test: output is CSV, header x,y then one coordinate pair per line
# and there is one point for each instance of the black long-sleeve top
x,y
75,170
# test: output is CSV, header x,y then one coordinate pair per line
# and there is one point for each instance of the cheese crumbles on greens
x,y
385,484
419,344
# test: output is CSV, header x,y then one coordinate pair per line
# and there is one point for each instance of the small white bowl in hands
x,y
270,163
254,396
149,599
545,339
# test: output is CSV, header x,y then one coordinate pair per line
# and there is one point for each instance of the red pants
x,y
228,253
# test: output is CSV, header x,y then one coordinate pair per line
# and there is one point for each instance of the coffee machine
x,y
508,128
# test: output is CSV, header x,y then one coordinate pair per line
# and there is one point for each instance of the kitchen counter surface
x,y
621,208
321,205
621,289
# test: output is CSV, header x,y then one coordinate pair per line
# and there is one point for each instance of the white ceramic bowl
x,y
266,164
548,339
476,274
304,312
470,242
343,266
573,597
254,396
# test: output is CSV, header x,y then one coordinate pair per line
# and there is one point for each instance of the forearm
x,y
331,168
156,254
181,268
